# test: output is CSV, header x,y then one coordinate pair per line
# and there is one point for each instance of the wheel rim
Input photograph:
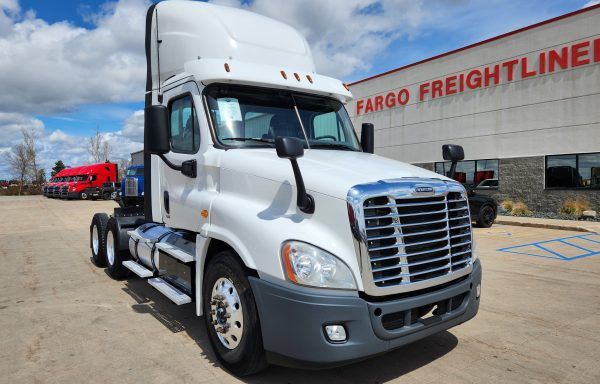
x,y
110,248
83,196
95,241
488,216
113,195
227,317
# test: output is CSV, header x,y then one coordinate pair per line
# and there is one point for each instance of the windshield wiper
x,y
249,139
332,145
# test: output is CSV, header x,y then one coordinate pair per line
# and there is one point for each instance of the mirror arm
x,y
305,202
452,170
188,167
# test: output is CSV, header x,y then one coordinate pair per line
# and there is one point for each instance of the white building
x,y
524,105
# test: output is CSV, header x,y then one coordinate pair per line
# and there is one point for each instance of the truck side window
x,y
185,133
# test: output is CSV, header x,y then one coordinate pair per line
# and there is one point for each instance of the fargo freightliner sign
x,y
544,62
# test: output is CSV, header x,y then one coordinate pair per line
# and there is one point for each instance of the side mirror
x,y
292,148
453,153
156,130
367,138
289,147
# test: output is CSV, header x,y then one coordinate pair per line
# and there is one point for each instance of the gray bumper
x,y
292,321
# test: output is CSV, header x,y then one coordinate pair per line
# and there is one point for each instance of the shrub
x,y
507,205
574,207
520,208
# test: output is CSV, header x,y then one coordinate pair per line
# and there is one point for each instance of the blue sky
x,y
60,76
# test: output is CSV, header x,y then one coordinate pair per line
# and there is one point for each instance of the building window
x,y
573,171
480,174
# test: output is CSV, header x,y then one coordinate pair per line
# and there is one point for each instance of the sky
x,y
71,67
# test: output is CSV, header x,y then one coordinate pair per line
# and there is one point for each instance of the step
x,y
134,235
174,294
138,269
176,252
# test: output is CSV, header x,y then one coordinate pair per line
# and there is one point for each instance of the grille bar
x,y
413,239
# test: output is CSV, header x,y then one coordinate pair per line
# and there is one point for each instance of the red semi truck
x,y
86,181
81,182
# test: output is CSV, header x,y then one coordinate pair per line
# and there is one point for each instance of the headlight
x,y
306,264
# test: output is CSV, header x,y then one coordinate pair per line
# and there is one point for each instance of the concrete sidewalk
x,y
567,225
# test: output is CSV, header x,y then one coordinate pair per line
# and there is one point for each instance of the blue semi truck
x,y
132,187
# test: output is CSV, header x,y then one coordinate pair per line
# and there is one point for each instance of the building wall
x,y
548,113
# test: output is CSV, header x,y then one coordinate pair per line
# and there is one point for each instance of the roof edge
x,y
482,42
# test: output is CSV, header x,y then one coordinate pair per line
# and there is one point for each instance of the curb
x,y
543,225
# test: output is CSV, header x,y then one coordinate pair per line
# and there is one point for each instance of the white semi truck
x,y
295,242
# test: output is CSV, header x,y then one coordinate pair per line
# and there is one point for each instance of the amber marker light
x,y
310,80
289,270
297,76
204,213
227,68
283,74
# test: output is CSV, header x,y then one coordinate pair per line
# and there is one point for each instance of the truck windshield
x,y
252,117
135,172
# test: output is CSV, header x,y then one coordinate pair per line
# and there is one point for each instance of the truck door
x,y
180,195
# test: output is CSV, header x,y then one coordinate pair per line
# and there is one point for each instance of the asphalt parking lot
x,y
64,320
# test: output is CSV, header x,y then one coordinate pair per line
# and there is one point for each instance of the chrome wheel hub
x,y
226,313
110,248
95,241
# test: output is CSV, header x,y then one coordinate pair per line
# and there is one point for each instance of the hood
x,y
330,172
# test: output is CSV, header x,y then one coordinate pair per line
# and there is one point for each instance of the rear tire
x,y
486,216
241,355
115,257
98,239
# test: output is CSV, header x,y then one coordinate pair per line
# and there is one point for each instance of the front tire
x,y
486,216
98,239
115,257
231,316
83,196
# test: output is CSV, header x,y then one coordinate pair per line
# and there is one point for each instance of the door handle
x,y
166,201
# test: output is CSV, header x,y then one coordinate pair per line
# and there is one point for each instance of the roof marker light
x,y
227,68
297,76
283,74
310,80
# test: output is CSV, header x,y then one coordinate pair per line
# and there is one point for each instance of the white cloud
x,y
345,35
590,3
48,68
133,128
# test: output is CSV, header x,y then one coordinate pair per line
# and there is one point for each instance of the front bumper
x,y
292,321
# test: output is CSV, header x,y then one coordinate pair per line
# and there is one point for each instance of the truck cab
x,y
88,181
132,187
263,208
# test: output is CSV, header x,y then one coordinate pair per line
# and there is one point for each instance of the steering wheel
x,y
327,137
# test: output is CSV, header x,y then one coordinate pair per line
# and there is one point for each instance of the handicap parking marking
x,y
565,248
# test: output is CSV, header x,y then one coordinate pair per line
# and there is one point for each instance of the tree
x,y
122,167
29,140
58,166
99,148
18,161
41,176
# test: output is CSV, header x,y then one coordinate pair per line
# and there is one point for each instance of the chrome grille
x,y
410,233
131,186
418,238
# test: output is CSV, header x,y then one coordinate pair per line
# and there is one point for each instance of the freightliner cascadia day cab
x,y
296,243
